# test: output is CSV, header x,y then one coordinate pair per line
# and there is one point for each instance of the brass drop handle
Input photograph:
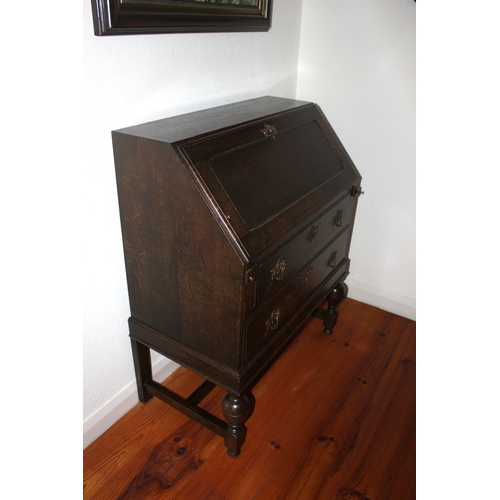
x,y
278,271
312,234
273,321
332,259
337,218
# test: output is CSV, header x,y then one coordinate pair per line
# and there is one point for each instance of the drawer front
x,y
274,316
283,264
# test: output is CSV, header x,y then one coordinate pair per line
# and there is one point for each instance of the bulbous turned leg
x,y
236,409
335,297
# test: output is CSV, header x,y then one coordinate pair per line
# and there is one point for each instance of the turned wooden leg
x,y
335,297
236,409
142,365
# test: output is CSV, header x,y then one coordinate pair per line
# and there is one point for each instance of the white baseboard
x,y
111,411
378,297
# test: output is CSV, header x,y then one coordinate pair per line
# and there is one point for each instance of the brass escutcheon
x,y
270,131
337,218
312,234
273,321
278,271
332,259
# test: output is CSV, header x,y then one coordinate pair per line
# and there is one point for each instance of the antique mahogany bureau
x,y
236,225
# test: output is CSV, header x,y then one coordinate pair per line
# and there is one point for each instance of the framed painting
x,y
129,17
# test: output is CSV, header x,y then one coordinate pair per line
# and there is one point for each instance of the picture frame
x,y
129,17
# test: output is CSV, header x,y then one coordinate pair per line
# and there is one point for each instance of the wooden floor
x,y
334,419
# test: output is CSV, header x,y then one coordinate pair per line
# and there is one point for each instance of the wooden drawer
x,y
274,316
275,271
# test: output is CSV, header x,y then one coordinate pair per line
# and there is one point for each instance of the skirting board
x,y
109,413
378,297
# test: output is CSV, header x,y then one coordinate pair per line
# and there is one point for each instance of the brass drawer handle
x,y
337,218
332,259
278,271
273,321
312,234
305,277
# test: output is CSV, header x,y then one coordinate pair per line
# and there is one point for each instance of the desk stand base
x,y
235,407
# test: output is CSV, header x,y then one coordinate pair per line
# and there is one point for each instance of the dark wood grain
x,y
284,211
203,217
170,244
262,168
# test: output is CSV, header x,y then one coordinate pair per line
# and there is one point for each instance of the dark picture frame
x,y
129,17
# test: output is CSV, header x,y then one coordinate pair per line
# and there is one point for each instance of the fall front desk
x,y
236,225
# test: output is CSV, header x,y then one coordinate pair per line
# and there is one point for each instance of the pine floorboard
x,y
334,419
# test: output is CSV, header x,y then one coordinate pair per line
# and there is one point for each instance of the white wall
x,y
357,60
134,79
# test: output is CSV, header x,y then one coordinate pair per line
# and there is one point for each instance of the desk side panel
x,y
184,277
